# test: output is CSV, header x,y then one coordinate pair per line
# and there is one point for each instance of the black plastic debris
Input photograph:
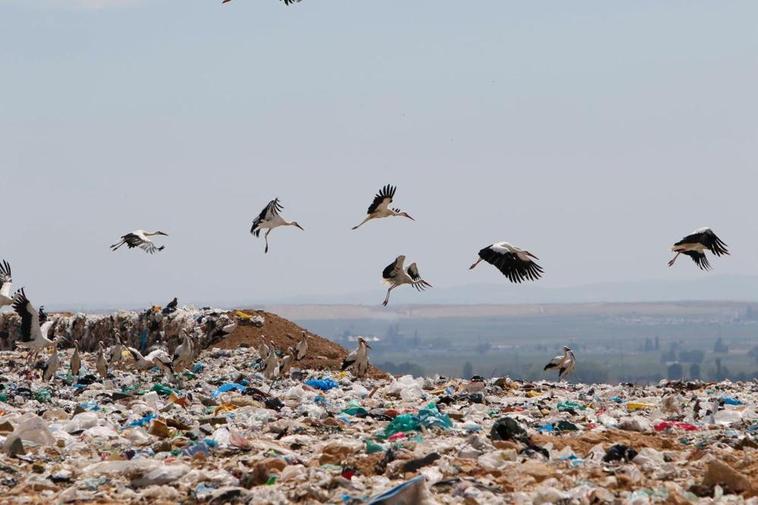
x,y
415,464
619,452
507,428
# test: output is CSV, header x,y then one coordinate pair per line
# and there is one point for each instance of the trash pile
x,y
136,329
221,433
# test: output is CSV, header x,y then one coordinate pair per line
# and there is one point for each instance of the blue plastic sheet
x,y
229,386
198,367
729,400
143,421
323,384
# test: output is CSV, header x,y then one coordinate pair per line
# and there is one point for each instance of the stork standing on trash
x,y
380,207
357,360
565,363
269,218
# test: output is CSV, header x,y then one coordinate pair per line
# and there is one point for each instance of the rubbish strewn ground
x,y
220,433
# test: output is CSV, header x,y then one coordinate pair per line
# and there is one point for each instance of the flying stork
x,y
358,359
695,244
141,239
269,218
565,362
396,275
33,336
6,283
515,263
380,207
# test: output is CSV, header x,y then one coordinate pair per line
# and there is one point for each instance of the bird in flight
x,y
695,244
565,363
380,207
33,336
269,218
141,239
358,359
516,264
6,283
286,2
395,274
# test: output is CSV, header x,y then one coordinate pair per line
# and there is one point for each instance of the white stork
x,y
101,364
695,244
271,365
358,359
117,349
156,358
76,360
380,207
183,354
395,274
52,364
33,336
515,263
269,218
141,239
565,362
301,349
6,283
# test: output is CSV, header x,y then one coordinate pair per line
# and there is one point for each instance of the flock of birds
x,y
516,264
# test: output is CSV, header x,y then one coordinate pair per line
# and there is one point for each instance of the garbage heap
x,y
221,433
140,330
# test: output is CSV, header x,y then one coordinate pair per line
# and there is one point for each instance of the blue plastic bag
x,y
229,386
323,384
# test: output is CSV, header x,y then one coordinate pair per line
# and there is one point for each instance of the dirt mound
x,y
323,354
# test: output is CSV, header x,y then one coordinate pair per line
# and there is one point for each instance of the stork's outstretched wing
x,y
418,283
391,270
699,258
28,314
511,265
273,208
383,199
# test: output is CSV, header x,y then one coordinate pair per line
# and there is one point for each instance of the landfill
x,y
219,432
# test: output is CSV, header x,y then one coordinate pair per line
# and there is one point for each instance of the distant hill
x,y
707,288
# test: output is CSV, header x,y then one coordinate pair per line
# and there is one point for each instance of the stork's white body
x,y
301,349
6,284
271,365
101,364
268,219
357,360
76,360
380,207
182,354
51,366
397,275
33,336
141,239
565,363
156,358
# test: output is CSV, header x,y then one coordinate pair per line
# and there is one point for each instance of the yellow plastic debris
x,y
632,406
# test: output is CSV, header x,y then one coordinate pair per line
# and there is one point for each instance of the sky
x,y
594,134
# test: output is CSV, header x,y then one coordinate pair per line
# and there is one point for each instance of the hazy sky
x,y
593,133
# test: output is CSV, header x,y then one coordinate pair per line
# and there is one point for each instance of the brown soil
x,y
323,354
584,441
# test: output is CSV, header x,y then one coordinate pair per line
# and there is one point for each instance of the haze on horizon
x,y
594,134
